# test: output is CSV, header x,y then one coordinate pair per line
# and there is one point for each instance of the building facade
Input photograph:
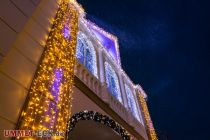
x,y
62,72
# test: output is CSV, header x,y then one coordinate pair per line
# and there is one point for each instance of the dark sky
x,y
164,46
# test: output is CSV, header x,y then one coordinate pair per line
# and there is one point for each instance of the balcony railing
x,y
101,90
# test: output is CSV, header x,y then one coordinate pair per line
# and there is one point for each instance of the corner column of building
x,y
138,107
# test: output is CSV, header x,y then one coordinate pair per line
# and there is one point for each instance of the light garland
x,y
97,117
48,105
94,26
79,8
110,36
115,90
115,39
84,44
150,129
131,102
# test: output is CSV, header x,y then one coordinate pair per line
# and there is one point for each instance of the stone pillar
x,y
138,107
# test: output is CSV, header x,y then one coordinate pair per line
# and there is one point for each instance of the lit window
x,y
131,102
112,82
86,54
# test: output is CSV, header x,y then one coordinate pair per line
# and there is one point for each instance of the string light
x,y
48,105
99,118
92,25
150,129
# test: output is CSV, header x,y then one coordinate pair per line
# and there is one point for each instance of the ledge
x,y
89,93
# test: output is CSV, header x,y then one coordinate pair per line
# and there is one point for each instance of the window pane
x,y
89,61
112,82
131,102
80,50
86,53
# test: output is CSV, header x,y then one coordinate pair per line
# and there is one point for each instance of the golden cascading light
x,y
150,129
48,105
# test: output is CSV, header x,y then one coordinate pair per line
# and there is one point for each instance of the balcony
x,y
102,92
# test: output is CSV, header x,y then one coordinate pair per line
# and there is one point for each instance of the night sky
x,y
164,46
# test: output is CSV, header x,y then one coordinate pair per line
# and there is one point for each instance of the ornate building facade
x,y
60,71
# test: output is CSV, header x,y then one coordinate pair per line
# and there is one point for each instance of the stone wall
x,y
24,27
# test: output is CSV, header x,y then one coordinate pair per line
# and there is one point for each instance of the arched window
x,y
131,102
86,54
112,82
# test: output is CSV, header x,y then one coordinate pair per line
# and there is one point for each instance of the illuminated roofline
x,y
78,7
115,40
138,87
134,86
113,37
107,34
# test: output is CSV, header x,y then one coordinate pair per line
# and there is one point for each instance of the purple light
x,y
55,88
52,121
107,42
66,32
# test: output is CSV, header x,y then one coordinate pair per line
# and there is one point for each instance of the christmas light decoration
x,y
112,82
86,53
48,105
150,129
97,117
131,102
107,40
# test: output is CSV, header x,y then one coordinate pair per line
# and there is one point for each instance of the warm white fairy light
x,y
49,101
